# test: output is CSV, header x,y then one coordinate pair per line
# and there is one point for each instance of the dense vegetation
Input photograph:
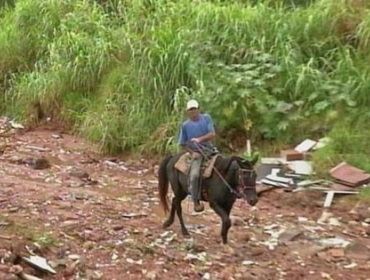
x,y
120,72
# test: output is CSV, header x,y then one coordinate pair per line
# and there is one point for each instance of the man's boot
x,y
198,206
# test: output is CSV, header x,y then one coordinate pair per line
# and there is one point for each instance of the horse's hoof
x,y
228,249
166,224
185,233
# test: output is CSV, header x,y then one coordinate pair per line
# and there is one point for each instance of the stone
x,y
358,251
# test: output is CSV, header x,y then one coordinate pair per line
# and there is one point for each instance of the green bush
x,y
119,72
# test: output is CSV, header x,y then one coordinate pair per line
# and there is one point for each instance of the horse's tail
x,y
163,183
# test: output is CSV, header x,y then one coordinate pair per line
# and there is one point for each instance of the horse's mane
x,y
223,163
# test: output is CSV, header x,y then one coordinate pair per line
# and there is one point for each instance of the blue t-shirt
x,y
194,129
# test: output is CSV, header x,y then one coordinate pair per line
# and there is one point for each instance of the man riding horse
x,y
232,177
196,134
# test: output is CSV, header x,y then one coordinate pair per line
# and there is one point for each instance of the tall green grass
x,y
119,72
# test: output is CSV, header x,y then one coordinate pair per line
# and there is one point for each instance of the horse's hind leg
x,y
226,222
171,217
179,214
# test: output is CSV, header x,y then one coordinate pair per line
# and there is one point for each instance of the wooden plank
x,y
329,199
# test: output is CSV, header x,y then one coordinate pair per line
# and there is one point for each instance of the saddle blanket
x,y
183,165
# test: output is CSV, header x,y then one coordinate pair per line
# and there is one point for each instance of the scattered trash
x,y
134,215
248,263
36,148
334,242
206,276
351,265
39,263
327,218
330,196
199,257
16,125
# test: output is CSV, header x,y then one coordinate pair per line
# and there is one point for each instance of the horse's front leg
x,y
226,222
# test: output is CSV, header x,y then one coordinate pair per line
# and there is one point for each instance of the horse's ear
x,y
251,159
255,158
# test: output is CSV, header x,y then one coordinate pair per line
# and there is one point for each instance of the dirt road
x,y
94,217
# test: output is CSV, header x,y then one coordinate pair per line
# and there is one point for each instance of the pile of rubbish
x,y
293,172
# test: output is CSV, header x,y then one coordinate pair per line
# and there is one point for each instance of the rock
x,y
117,227
16,269
37,163
79,174
88,245
94,275
290,235
323,256
325,275
4,268
237,221
206,276
74,257
337,252
151,275
357,251
257,252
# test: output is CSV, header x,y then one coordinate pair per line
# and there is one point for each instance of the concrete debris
x,y
289,155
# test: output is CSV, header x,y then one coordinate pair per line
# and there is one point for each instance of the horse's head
x,y
247,180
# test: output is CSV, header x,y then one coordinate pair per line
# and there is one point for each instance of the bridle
x,y
242,187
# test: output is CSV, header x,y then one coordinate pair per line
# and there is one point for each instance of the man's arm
x,y
211,131
207,137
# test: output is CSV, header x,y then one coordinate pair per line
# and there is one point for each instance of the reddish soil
x,y
94,218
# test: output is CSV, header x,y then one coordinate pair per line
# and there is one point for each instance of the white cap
x,y
192,104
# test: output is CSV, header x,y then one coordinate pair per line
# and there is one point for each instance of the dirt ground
x,y
94,217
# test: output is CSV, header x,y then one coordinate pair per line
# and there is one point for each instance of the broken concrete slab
x,y
349,175
301,167
305,146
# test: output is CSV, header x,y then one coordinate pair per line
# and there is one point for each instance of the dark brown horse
x,y
235,177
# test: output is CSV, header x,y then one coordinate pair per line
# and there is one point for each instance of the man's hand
x,y
196,140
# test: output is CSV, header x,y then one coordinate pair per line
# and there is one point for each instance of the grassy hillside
x,y
120,72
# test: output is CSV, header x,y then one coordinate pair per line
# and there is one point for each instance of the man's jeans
x,y
194,178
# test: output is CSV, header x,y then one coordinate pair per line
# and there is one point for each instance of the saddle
x,y
183,165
